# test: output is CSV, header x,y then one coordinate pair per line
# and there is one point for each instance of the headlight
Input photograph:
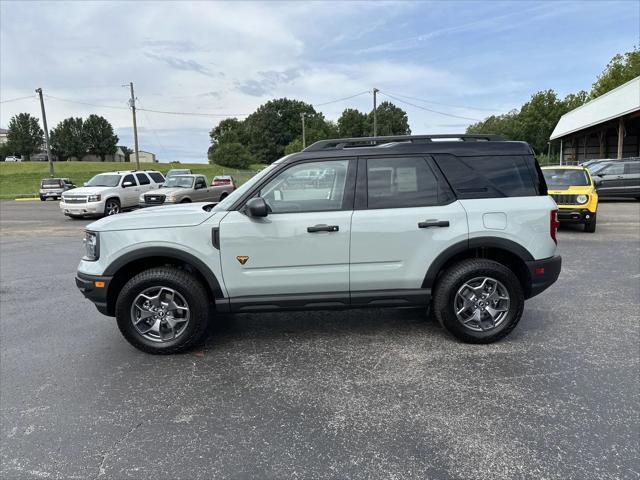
x,y
93,198
141,197
171,198
582,199
91,245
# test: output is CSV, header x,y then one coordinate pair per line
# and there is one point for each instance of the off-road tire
x,y
458,274
186,285
590,226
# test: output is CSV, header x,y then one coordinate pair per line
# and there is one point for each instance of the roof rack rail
x,y
340,143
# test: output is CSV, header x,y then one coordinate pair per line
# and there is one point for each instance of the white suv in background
x,y
109,193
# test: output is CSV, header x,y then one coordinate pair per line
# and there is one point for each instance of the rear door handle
x,y
323,228
433,223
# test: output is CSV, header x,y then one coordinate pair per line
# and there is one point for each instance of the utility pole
x,y
375,113
132,104
304,139
46,132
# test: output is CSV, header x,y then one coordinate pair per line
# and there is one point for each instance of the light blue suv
x,y
460,223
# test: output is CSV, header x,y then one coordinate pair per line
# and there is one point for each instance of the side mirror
x,y
597,181
85,183
127,184
257,207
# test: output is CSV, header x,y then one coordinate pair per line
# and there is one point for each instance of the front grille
x,y
78,199
154,199
565,199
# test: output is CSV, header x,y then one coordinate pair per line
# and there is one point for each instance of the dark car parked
x,y
618,179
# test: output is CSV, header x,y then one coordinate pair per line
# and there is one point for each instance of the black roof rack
x,y
340,143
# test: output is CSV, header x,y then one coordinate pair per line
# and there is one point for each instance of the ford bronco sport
x,y
459,222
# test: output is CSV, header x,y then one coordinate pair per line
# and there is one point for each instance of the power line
x,y
444,104
340,99
196,114
85,103
430,110
16,99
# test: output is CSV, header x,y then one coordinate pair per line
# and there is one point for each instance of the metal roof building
x,y
605,127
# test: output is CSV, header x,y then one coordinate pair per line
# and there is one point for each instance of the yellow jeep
x,y
574,191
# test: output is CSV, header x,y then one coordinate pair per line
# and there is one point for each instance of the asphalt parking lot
x,y
337,395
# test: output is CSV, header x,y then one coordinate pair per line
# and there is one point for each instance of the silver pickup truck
x,y
179,189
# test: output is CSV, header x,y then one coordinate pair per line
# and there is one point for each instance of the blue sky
x,y
469,59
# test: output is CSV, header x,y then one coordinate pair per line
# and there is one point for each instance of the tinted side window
x,y
128,178
613,169
490,176
400,182
143,179
200,182
156,177
632,168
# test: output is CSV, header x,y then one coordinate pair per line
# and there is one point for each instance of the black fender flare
x,y
168,252
476,242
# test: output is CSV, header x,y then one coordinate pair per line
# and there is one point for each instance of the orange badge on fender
x,y
242,259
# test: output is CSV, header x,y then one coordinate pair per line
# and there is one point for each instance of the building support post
x,y
561,152
620,137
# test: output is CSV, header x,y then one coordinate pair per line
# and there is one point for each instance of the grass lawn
x,y
23,178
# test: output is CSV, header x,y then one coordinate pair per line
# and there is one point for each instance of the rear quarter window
x,y
156,177
143,179
491,176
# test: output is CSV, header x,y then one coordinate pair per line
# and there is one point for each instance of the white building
x,y
605,127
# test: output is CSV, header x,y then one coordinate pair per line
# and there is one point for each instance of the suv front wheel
x,y
112,207
478,301
163,310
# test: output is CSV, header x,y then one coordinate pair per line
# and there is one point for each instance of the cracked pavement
x,y
333,395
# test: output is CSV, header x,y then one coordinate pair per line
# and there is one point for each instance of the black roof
x,y
459,145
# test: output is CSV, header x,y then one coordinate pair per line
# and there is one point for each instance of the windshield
x,y
104,180
596,167
565,177
233,196
179,171
180,182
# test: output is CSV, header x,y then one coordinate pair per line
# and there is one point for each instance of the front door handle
x,y
433,223
323,228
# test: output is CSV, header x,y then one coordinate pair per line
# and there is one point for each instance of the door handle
x,y
323,228
433,223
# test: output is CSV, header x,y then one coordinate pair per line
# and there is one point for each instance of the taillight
x,y
221,182
553,225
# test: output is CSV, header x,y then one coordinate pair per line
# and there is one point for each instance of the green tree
x,y
391,120
229,130
353,123
25,135
233,155
99,137
622,68
273,126
68,139
294,146
505,125
127,153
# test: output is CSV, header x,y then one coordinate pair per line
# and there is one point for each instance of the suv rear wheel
x,y
163,310
478,301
